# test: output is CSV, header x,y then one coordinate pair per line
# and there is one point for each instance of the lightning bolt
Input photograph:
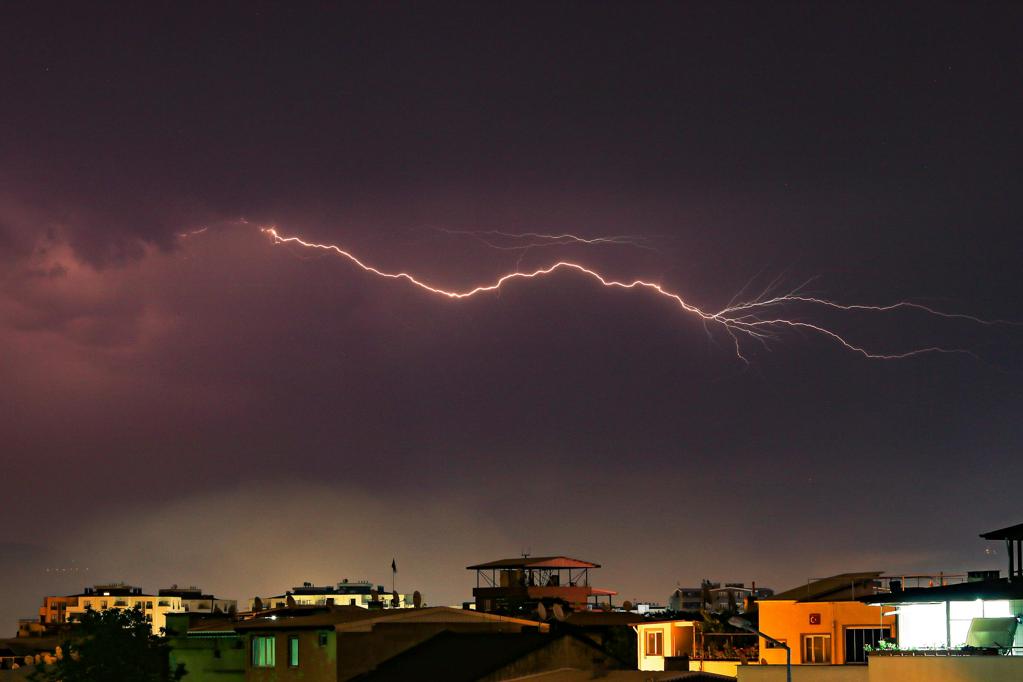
x,y
754,319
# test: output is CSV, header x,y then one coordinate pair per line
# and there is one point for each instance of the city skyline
x,y
189,400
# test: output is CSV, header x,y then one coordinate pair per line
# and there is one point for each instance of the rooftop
x,y
349,617
1009,533
184,592
585,619
841,587
478,655
298,617
535,562
999,588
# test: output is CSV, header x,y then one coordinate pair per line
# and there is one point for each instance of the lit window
x,y
923,626
816,648
264,651
655,643
293,651
998,609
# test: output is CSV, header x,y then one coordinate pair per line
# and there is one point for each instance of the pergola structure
x,y
526,581
1013,537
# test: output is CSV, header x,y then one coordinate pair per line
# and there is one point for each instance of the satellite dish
x,y
541,611
417,600
559,613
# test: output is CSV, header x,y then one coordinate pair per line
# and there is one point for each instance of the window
x,y
149,604
655,643
857,638
293,651
816,648
323,639
264,653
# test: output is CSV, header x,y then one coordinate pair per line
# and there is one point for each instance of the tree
x,y
112,646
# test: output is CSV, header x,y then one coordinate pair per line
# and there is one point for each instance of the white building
x,y
194,601
121,596
360,593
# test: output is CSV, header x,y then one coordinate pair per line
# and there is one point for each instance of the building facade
x,y
194,601
361,593
121,596
333,644
659,642
824,622
716,596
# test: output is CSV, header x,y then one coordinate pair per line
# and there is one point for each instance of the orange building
x,y
54,609
823,622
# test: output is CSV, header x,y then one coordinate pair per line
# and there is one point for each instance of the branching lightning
x,y
758,319
518,241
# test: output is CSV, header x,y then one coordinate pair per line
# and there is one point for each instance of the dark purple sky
x,y
221,410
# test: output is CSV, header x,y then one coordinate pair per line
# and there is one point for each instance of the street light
x,y
744,624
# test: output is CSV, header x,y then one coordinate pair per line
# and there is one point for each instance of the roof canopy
x,y
1010,533
535,562
841,587
999,588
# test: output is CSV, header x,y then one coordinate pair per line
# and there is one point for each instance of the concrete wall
x,y
945,669
726,668
209,660
803,673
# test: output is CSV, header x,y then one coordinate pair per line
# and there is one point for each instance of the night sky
x,y
221,410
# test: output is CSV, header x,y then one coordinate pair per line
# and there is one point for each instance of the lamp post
x,y
744,624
